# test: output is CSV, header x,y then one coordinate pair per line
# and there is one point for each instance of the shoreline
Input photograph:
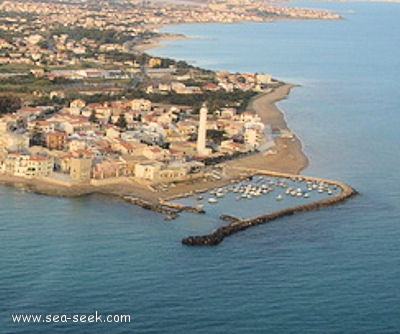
x,y
288,158
157,42
287,161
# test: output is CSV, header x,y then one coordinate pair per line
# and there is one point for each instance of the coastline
x,y
288,158
156,42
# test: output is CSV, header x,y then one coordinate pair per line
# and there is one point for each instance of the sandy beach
x,y
156,42
289,157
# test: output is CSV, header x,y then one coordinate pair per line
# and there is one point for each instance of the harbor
x,y
263,197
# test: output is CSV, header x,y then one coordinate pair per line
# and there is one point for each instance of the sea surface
x,y
335,270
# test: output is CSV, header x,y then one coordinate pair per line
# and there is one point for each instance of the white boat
x,y
279,197
212,200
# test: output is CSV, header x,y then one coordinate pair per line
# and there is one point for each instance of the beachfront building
x,y
147,170
80,169
254,137
109,168
28,165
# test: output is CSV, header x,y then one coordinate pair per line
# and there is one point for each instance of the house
x,y
56,140
79,125
229,146
173,172
41,126
130,162
28,165
187,128
112,132
187,148
108,168
141,104
29,113
77,103
122,147
211,87
228,113
76,144
254,137
80,168
248,116
155,153
263,79
147,170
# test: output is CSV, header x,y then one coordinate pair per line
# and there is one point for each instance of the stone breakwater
x,y
171,210
237,224
171,213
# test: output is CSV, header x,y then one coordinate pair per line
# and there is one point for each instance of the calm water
x,y
331,271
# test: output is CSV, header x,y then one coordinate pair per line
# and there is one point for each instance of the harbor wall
x,y
237,224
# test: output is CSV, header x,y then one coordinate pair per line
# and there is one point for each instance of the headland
x,y
97,145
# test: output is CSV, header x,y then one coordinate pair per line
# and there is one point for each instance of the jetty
x,y
236,225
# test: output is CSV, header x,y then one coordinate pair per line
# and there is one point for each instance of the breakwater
x,y
171,213
237,224
171,210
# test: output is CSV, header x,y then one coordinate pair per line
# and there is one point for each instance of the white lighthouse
x,y
201,136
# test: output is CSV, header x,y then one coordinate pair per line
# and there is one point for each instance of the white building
x,y
201,135
28,165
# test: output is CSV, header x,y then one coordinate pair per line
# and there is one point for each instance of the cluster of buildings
x,y
156,142
134,138
26,26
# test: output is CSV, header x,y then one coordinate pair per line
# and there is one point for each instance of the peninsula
x,y
84,110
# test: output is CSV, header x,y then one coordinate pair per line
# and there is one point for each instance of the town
x,y
80,103
155,141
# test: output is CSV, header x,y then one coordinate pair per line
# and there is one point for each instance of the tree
x,y
121,121
93,117
9,104
215,135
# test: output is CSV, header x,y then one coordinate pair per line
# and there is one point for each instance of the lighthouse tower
x,y
201,136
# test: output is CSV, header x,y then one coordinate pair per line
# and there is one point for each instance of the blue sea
x,y
336,270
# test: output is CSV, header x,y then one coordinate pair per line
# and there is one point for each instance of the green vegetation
x,y
215,100
216,135
121,122
100,36
9,104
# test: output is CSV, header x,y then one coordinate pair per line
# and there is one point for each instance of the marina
x,y
263,197
259,194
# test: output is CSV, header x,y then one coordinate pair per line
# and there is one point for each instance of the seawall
x,y
236,224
